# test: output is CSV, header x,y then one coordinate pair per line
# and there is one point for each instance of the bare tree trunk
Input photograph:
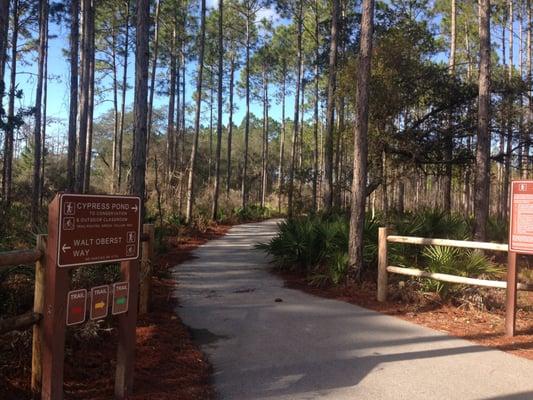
x,y
507,157
73,113
526,136
83,96
282,138
330,112
219,105
9,136
90,110
301,149
521,74
482,183
360,154
43,24
124,90
44,119
171,105
152,76
244,188
211,102
4,30
448,143
140,110
264,147
194,148
317,94
230,123
299,66
115,103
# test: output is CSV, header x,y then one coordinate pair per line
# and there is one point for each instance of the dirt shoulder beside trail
x,y
483,327
168,365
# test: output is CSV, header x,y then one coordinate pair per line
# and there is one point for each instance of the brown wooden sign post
x,y
86,229
520,241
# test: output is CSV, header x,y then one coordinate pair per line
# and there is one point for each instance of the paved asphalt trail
x,y
307,347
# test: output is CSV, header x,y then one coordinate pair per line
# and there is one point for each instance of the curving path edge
x,y
307,347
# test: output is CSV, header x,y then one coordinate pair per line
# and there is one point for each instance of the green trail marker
x,y
120,298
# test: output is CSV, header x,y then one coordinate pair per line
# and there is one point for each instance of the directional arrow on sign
x,y
65,248
99,305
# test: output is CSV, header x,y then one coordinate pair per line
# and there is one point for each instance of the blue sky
x,y
59,81
58,98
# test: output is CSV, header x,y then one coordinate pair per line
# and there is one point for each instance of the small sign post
x,y
520,241
88,230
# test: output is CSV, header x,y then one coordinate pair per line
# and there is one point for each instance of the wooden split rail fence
x,y
511,285
32,318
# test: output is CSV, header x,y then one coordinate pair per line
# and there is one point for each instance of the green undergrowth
x,y
317,247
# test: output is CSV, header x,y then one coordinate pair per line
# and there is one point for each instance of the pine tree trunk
x,y
507,157
152,76
316,122
194,148
115,102
330,111
448,140
83,105
44,117
9,135
171,106
37,143
230,124
299,66
140,107
282,138
211,102
90,105
4,28
482,179
526,137
244,186
73,107
264,153
219,106
357,218
124,90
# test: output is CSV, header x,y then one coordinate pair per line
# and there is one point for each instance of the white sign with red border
x,y
521,217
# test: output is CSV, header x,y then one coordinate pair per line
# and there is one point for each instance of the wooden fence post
x,y
510,300
382,265
145,290
53,324
38,305
127,333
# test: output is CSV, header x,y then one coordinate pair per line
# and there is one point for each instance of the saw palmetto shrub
x,y
317,246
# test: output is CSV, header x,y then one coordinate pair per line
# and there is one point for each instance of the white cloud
x,y
268,13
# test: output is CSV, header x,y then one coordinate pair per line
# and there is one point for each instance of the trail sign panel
x,y
521,221
98,229
99,302
120,297
76,306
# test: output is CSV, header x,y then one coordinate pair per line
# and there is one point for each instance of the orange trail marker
x,y
99,302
